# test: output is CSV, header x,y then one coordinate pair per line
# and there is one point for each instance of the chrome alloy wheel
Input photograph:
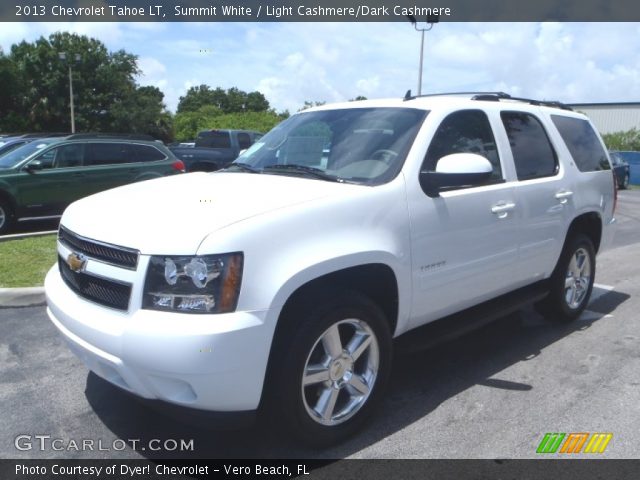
x,y
578,278
3,217
340,372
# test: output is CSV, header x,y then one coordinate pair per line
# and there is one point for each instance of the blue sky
x,y
294,62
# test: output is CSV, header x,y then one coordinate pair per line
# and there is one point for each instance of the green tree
x,y
100,80
11,93
629,140
35,93
143,111
309,104
232,100
188,124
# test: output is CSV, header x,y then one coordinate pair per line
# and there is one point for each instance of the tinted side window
x,y
68,155
63,156
213,140
244,140
582,142
47,158
532,151
466,131
146,153
108,154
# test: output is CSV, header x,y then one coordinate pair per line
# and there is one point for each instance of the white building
x,y
611,117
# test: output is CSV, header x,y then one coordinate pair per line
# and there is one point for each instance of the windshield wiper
x,y
245,167
305,170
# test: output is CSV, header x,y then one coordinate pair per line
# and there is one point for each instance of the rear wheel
x,y
625,182
335,368
572,281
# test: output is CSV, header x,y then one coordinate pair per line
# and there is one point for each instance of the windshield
x,y
14,157
355,145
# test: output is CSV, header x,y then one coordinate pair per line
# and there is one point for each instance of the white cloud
x,y
294,62
151,67
369,85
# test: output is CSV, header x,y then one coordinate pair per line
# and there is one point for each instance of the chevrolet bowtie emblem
x,y
77,262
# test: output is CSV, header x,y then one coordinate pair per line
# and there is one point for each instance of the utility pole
x,y
431,19
63,57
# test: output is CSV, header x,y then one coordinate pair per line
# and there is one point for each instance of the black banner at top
x,y
318,10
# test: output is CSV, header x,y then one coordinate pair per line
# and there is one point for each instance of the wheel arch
x,y
376,281
7,197
589,224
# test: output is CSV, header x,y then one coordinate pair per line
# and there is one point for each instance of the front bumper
x,y
210,362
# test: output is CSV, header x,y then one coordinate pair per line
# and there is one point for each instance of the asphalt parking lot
x,y
493,393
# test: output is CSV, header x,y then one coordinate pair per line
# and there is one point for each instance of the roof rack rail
x,y
121,136
504,96
36,134
494,97
408,95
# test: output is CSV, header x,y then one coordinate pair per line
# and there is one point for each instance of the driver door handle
x,y
502,209
564,195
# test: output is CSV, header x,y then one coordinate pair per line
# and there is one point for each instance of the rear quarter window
x,y
147,153
582,142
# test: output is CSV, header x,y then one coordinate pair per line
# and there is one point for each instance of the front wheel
x,y
572,281
5,217
335,369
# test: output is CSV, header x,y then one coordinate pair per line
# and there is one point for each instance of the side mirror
x,y
35,166
456,170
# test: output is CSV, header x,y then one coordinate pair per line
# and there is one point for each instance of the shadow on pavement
x,y
420,383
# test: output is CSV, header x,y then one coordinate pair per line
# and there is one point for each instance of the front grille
x,y
109,293
113,254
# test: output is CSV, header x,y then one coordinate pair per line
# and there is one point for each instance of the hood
x,y
172,215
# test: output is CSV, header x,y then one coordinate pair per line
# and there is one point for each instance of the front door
x,y
464,242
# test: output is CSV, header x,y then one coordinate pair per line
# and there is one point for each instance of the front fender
x,y
285,249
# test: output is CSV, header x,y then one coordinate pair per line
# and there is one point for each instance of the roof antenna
x,y
407,96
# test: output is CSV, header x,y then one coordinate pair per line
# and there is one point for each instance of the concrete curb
x,y
22,297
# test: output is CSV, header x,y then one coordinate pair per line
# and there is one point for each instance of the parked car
x,y
39,179
11,143
620,169
214,149
281,281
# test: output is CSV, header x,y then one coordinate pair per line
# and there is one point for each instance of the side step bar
x,y
453,326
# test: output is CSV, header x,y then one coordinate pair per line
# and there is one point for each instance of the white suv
x,y
280,282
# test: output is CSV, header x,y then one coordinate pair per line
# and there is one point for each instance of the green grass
x,y
25,262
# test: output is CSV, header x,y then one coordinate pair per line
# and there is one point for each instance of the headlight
x,y
199,284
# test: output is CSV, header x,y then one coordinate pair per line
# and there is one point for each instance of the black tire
x,y
569,297
6,216
297,406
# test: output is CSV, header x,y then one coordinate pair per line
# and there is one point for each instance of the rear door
x,y
544,193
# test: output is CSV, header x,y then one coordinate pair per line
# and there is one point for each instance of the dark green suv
x,y
38,180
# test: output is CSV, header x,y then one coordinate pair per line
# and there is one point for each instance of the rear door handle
x,y
564,195
502,209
